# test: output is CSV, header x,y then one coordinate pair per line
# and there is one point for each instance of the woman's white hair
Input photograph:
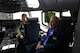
x,y
56,19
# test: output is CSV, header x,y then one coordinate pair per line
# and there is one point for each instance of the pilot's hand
x,y
21,37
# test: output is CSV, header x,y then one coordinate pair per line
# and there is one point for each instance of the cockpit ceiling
x,y
11,6
59,5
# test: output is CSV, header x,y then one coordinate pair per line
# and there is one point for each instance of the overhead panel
x,y
59,5
10,6
48,4
72,5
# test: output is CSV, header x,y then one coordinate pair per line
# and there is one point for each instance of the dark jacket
x,y
54,41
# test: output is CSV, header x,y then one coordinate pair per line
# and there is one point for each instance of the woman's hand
x,y
39,46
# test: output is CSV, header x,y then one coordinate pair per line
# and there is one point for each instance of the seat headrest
x,y
32,19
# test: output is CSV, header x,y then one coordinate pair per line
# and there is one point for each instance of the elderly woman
x,y
51,42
